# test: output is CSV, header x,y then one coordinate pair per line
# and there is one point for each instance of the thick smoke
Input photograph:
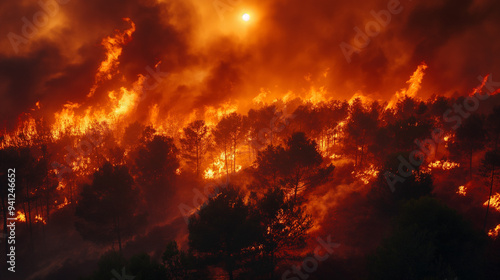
x,y
50,49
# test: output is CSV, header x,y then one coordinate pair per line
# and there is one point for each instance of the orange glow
x,y
216,169
494,232
316,96
479,89
414,84
69,121
495,202
444,165
114,47
214,115
62,205
367,175
24,135
462,190
21,217
335,156
39,218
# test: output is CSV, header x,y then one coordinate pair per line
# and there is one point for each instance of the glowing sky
x,y
213,56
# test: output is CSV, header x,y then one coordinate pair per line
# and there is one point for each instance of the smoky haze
x,y
211,56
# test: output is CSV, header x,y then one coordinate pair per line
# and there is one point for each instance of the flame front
x,y
414,85
494,202
114,48
444,165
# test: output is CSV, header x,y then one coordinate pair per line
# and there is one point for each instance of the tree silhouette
x,y
132,134
405,182
360,129
430,241
270,165
297,166
224,230
470,137
156,162
106,211
286,226
228,133
180,265
195,142
302,161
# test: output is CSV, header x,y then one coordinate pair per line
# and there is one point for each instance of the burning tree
x,y
195,143
227,135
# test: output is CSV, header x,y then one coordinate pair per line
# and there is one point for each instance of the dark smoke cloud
x,y
210,61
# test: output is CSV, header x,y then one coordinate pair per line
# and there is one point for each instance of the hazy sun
x,y
246,17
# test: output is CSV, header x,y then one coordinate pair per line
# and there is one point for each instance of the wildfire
x,y
68,121
494,202
335,156
316,96
494,232
114,47
62,205
214,115
20,217
217,168
444,165
462,190
479,89
39,219
413,86
367,175
25,134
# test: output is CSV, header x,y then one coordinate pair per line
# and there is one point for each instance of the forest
x,y
294,189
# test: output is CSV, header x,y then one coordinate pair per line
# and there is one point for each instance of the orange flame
x,y
414,86
39,218
367,175
24,135
462,190
494,232
216,169
62,205
114,48
444,165
21,217
494,202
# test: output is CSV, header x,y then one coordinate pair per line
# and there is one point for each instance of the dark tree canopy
x,y
107,209
430,241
